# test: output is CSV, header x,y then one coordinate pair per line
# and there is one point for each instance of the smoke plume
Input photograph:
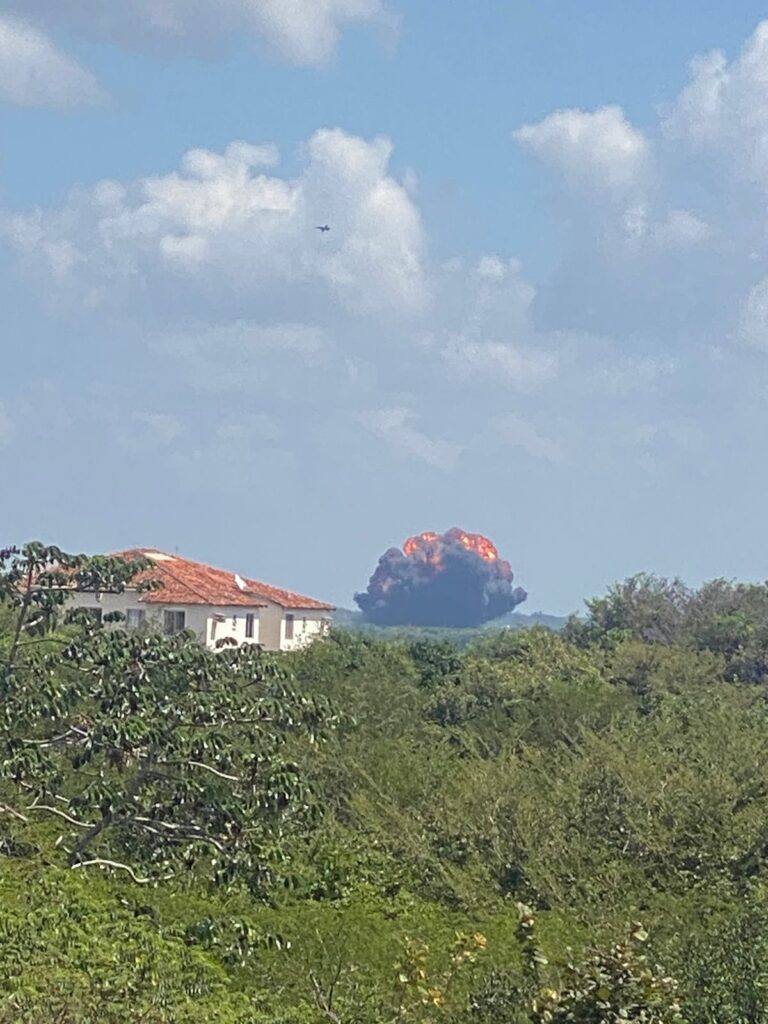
x,y
449,579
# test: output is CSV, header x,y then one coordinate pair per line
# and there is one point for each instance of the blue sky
x,y
541,313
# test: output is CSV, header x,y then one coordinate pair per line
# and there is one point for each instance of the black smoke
x,y
441,583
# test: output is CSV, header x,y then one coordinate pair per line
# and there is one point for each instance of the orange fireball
x,y
423,544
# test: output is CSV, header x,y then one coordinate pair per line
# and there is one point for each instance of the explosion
x,y
450,579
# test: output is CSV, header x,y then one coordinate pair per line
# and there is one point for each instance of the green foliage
x,y
607,985
70,951
151,751
724,960
727,619
437,661
342,834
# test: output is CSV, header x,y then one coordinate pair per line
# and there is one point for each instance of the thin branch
x,y
35,789
107,821
87,838
98,862
60,814
321,1001
189,833
55,740
5,809
44,640
214,771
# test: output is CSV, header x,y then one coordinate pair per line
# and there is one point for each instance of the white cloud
x,y
486,327
490,296
508,365
599,149
724,107
605,157
395,427
632,374
233,233
302,31
33,73
681,230
517,432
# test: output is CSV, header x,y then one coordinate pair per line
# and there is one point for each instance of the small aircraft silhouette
x,y
323,227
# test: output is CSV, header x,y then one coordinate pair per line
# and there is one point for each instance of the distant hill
x,y
347,618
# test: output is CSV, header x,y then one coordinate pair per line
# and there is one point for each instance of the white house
x,y
214,604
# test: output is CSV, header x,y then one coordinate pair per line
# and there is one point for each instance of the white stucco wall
x,y
230,622
269,626
307,626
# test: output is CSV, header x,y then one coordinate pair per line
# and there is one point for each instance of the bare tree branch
x,y
99,862
56,740
192,833
214,771
5,809
60,814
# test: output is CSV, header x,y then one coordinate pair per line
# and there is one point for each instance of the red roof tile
x,y
187,582
286,598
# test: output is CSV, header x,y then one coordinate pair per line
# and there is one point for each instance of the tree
x,y
646,606
152,755
36,581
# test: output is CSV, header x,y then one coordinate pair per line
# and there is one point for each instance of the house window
x,y
135,618
173,622
289,627
249,626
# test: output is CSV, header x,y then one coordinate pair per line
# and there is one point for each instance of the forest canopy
x,y
533,827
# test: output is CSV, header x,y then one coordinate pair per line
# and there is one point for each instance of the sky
x,y
541,312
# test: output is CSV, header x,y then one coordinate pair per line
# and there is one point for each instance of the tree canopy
x,y
533,827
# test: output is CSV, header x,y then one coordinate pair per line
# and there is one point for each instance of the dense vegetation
x,y
355,622
538,827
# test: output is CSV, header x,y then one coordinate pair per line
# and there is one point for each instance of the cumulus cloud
x,y
490,296
597,149
395,427
33,73
724,107
302,31
226,229
603,156
488,332
508,365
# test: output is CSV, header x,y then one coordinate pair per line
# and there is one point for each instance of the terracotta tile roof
x,y
187,582
286,598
